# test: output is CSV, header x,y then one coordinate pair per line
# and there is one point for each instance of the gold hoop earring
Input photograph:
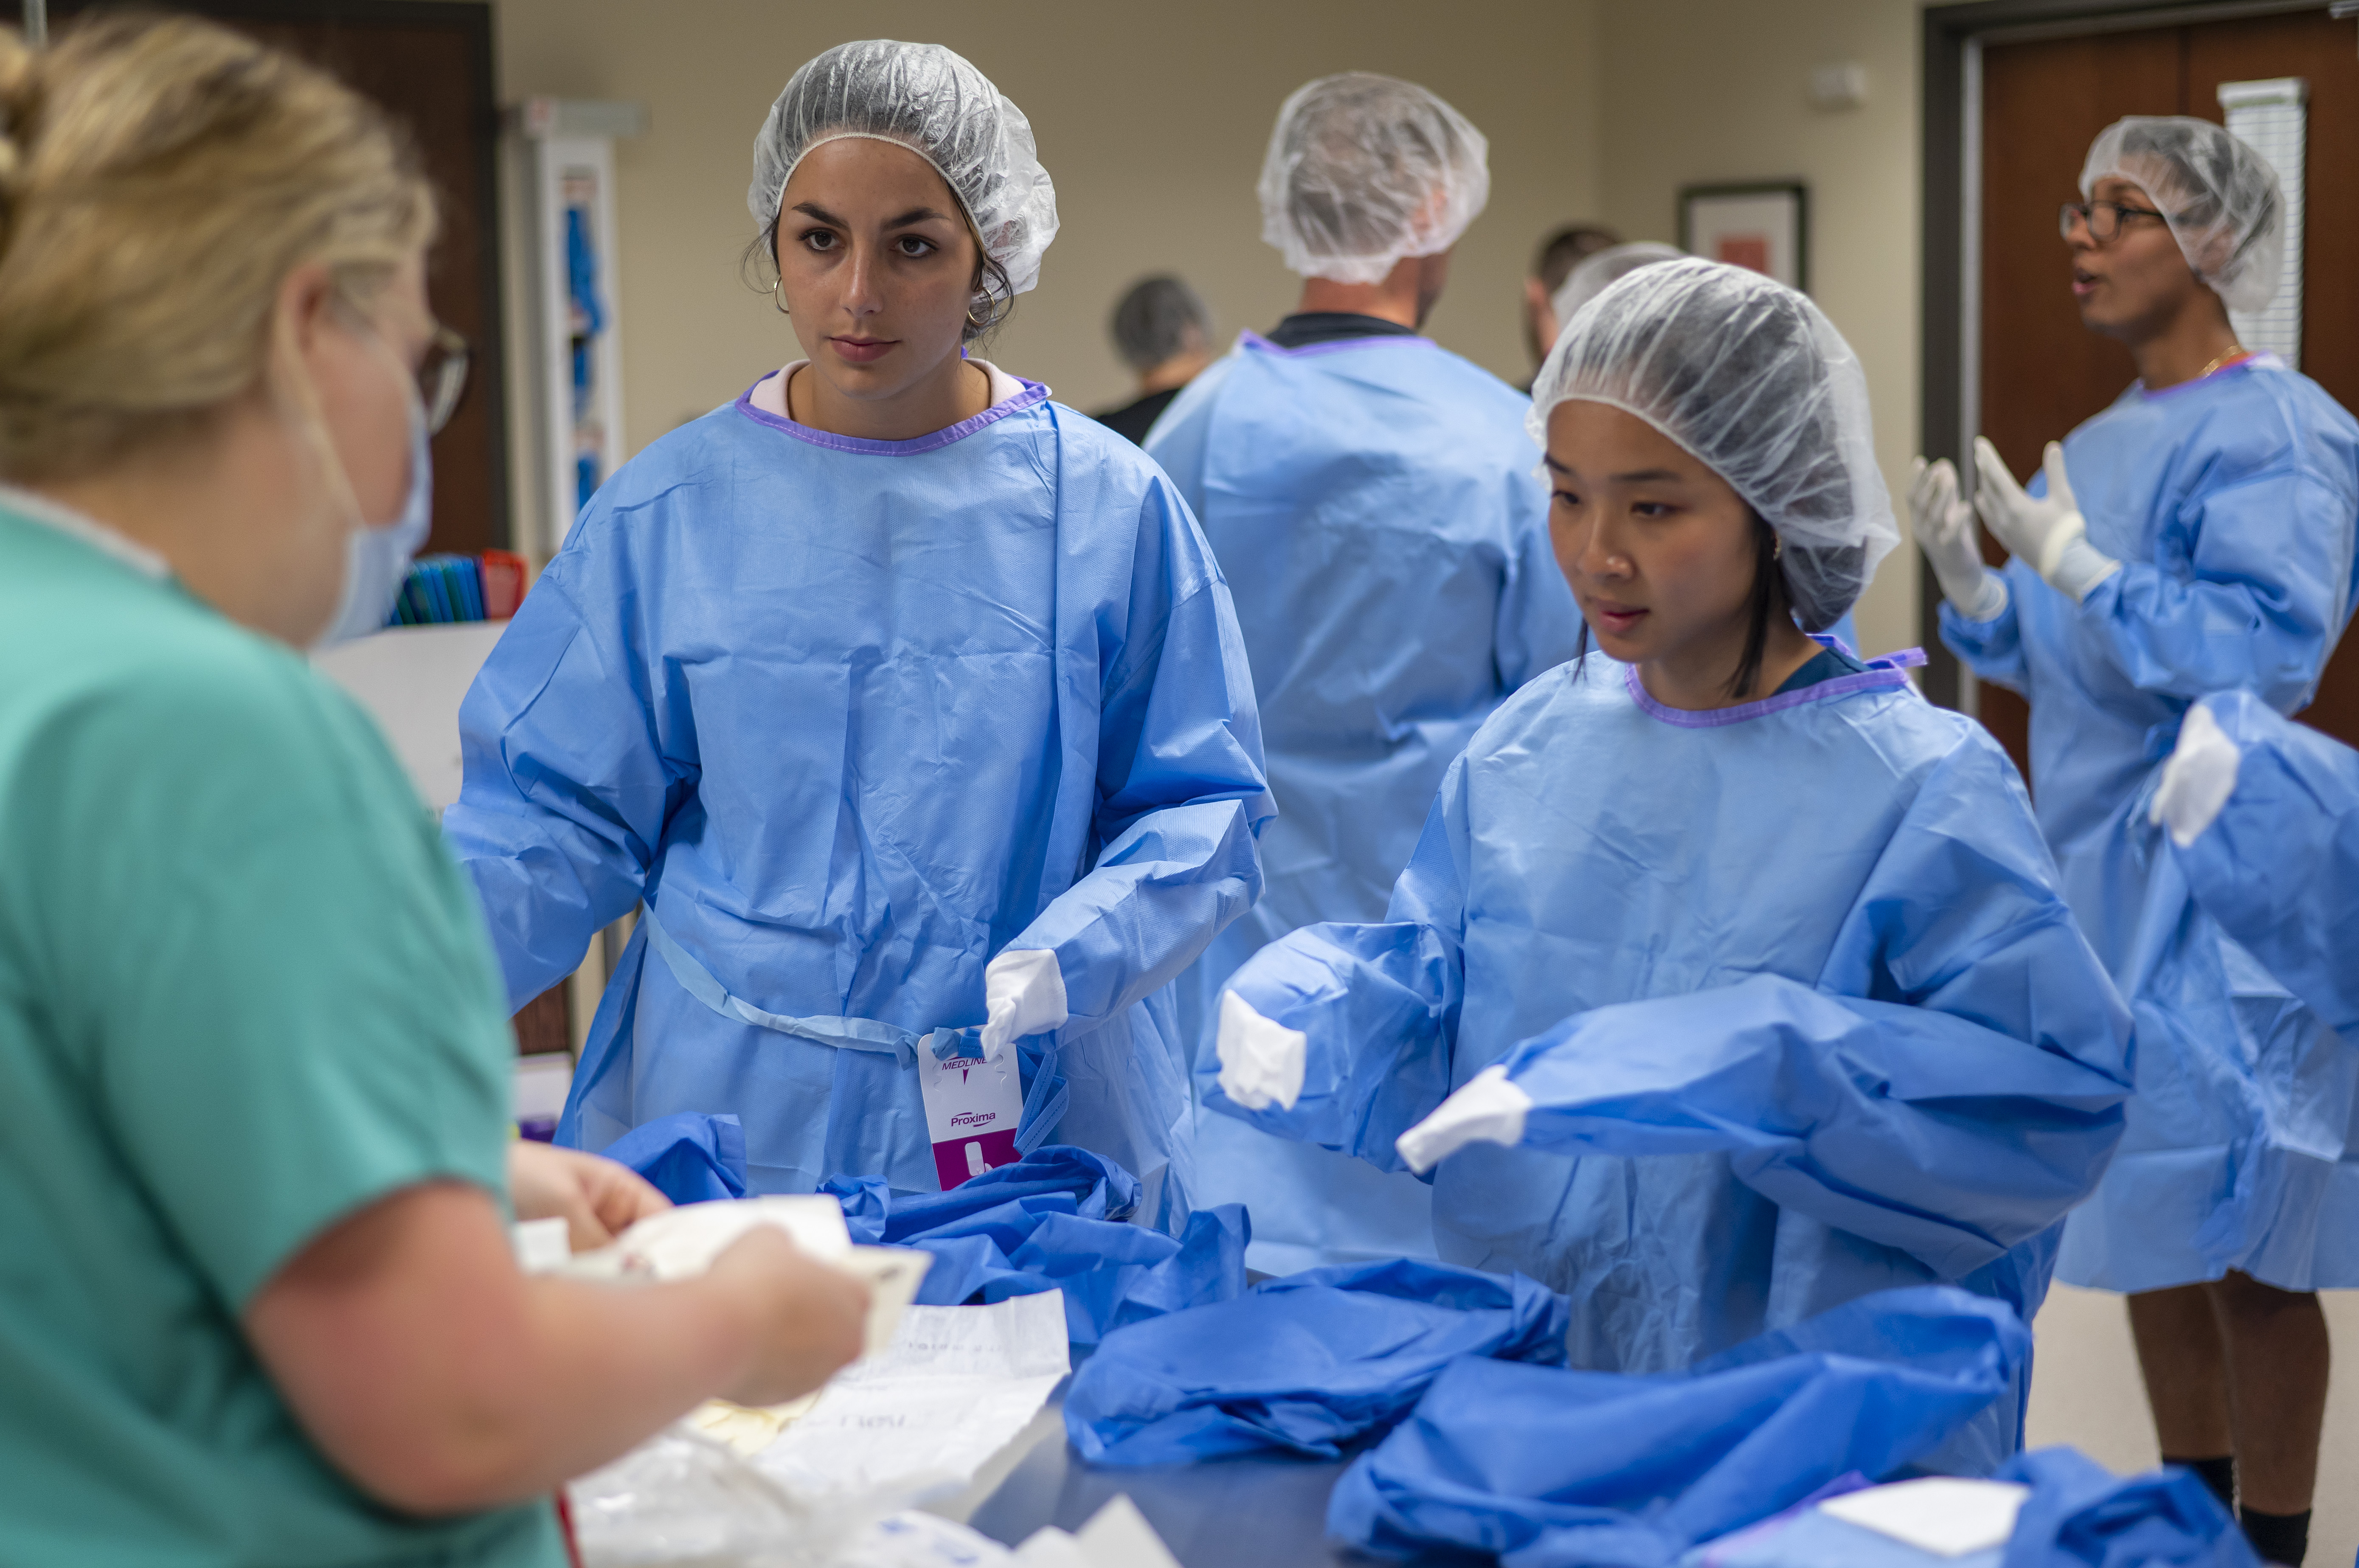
x,y
778,299
972,324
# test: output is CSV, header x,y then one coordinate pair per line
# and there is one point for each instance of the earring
x,y
1777,547
778,299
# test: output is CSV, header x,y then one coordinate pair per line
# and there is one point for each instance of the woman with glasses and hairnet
x,y
2195,538
1730,980
910,702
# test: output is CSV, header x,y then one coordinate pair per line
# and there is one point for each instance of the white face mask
x,y
377,557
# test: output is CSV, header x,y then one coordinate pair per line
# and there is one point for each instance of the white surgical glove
x,y
1261,1061
1944,526
2048,532
1023,993
1488,1108
2198,779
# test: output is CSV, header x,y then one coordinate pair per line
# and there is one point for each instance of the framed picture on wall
x,y
1765,226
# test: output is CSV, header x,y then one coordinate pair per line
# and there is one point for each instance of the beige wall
x,y
1152,122
1702,91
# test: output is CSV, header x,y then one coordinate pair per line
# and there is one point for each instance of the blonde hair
x,y
159,177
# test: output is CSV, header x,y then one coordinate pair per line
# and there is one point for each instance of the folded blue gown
x,y
688,1157
1301,1364
2078,1515
1547,1465
1055,1220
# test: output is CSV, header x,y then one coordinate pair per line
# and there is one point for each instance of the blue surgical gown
x,y
1377,507
2278,867
2231,503
852,717
1829,913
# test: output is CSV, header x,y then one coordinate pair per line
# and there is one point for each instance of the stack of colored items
x,y
445,589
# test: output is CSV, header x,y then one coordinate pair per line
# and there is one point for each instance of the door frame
x,y
471,20
1950,288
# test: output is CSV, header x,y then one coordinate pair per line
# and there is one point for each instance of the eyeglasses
x,y
443,377
2103,218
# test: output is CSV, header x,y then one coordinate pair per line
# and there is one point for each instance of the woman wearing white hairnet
x,y
2197,536
1744,998
909,701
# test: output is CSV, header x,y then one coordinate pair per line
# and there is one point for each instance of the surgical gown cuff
x,y
1490,1109
2198,779
1989,602
1261,1061
2076,567
1024,994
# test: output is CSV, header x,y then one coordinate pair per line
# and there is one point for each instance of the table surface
x,y
1240,1512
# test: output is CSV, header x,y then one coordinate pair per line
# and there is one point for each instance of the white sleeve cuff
x,y
1488,1108
1261,1061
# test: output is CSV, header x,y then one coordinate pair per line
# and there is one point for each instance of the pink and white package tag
x,y
971,1109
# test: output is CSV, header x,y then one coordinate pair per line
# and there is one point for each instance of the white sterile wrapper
x,y
681,1243
681,1501
1948,1515
957,1385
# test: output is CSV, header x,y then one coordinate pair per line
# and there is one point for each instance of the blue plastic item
x,y
1302,1365
1547,1466
2278,867
2232,503
1844,1032
2081,1515
1377,507
689,1158
2078,1515
854,717
1053,1221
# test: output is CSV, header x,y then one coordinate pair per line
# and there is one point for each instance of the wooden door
x,y
428,64
2043,373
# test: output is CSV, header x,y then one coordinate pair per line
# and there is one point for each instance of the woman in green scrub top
x,y
256,1299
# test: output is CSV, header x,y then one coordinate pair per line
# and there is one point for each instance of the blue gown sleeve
x,y
1377,1005
2278,867
566,785
1539,622
2257,605
1993,650
1951,1087
1181,795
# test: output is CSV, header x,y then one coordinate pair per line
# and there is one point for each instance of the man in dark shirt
x,y
1164,335
1559,254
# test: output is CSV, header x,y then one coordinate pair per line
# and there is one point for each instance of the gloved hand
x,y
1024,993
2048,532
2198,779
1944,526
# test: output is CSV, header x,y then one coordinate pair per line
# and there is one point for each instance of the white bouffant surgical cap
x,y
929,99
1365,170
1600,272
2219,196
1752,381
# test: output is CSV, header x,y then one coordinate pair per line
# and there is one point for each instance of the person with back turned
x,y
1373,502
1164,335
